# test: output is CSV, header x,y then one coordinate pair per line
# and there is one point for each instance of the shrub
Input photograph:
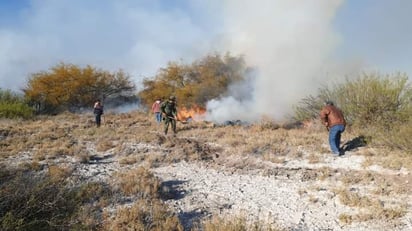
x,y
197,83
31,202
374,103
238,223
13,106
69,87
15,110
379,101
150,215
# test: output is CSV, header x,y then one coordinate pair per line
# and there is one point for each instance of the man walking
x,y
332,117
169,111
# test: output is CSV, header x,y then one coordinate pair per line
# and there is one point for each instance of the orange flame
x,y
195,113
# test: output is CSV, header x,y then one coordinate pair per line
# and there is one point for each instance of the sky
x,y
295,45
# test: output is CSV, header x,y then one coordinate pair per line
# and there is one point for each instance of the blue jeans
x,y
158,117
334,137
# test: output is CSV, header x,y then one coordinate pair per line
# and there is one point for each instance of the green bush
x,y
15,110
377,104
13,106
377,101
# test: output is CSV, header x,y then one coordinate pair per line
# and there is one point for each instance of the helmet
x,y
172,98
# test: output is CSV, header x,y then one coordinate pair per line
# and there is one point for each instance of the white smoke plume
x,y
289,42
295,45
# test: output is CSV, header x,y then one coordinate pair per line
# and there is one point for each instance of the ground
x,y
268,174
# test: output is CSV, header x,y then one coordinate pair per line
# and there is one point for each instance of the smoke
x,y
289,42
137,36
295,46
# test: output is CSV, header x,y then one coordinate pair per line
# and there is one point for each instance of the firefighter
x,y
169,112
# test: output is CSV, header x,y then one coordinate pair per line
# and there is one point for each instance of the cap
x,y
173,98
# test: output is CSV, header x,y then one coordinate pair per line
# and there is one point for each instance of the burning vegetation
x,y
195,112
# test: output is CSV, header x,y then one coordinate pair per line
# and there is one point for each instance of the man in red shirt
x,y
156,110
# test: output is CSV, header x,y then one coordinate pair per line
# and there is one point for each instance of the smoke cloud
x,y
289,42
137,36
295,46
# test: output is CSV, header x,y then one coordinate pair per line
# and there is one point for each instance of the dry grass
x,y
138,141
143,215
235,224
43,202
59,173
369,208
139,183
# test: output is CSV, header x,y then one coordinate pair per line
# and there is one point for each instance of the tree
x,y
197,83
69,87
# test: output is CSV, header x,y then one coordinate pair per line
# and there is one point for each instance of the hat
x,y
329,102
172,98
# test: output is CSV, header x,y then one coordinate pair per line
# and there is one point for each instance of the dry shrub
x,y
234,224
33,202
138,182
265,124
353,199
378,212
59,173
393,185
396,160
83,157
273,158
345,218
188,149
357,177
381,213
325,172
150,215
146,137
313,158
104,145
39,155
387,158
266,142
128,160
31,166
371,208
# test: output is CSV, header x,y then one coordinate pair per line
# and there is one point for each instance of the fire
x,y
195,113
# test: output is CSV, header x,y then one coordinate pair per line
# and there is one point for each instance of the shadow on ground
x,y
355,143
192,219
96,159
170,190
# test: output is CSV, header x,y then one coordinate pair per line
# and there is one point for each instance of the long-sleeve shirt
x,y
156,107
331,115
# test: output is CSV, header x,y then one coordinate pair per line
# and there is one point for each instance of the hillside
x,y
264,173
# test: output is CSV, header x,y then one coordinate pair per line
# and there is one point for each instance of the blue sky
x,y
377,31
293,43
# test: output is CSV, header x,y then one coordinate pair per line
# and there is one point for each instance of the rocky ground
x,y
287,194
296,193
